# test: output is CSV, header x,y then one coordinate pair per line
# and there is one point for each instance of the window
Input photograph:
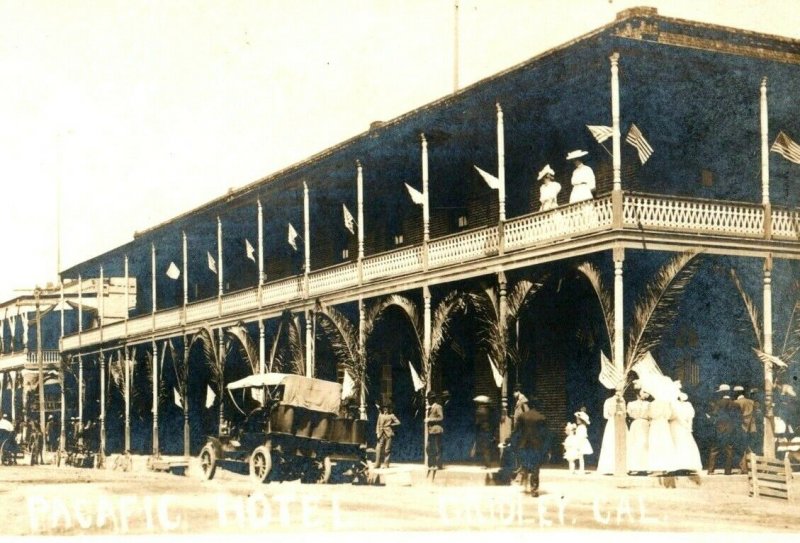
x,y
398,239
707,178
345,254
462,221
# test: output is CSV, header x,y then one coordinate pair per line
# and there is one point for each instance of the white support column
x,y
307,234
362,349
80,388
155,399
153,280
425,198
13,396
260,249
764,144
620,444
127,383
505,422
360,210
185,251
220,274
426,355
769,415
102,361
309,341
62,385
501,165
262,355
127,295
615,123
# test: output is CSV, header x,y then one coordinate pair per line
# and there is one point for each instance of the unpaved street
x,y
51,500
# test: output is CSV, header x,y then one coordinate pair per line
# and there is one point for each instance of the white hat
x,y
683,397
788,390
724,388
583,416
544,171
738,388
577,153
570,426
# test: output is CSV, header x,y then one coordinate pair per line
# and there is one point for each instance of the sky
x,y
118,115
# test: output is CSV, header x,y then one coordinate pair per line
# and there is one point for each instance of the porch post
x,y
620,445
362,350
616,194
765,161
127,383
13,376
262,355
769,415
309,341
155,398
80,388
185,390
102,361
426,353
426,234
505,422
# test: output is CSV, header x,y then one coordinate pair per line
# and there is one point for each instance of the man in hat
x,y
726,421
384,429
583,182
484,429
531,440
520,403
748,433
434,418
51,432
548,191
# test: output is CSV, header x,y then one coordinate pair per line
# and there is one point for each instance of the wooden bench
x,y
769,477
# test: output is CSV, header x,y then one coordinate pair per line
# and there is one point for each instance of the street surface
x,y
48,500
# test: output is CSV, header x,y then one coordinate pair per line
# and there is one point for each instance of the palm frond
x,y
275,342
656,310
247,347
296,359
211,354
752,310
770,359
116,374
407,306
343,337
791,341
605,298
440,321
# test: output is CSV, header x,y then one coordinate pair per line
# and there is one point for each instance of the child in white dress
x,y
571,446
582,437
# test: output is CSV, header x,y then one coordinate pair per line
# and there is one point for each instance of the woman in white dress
x,y
583,182
660,448
638,435
548,192
605,464
687,455
582,438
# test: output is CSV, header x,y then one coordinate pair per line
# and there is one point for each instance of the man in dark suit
x,y
727,420
531,439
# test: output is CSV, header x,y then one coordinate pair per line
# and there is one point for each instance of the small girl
x,y
571,445
582,437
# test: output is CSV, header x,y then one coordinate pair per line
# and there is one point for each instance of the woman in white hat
x,y
583,182
548,192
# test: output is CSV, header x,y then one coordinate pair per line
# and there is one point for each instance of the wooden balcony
x,y
631,220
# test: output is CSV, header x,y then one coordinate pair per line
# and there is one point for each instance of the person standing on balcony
x,y
583,182
384,429
548,192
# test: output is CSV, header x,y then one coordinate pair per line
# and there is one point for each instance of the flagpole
x,y
764,145
127,294
309,313
219,259
185,273
360,198
501,163
260,248
306,230
153,267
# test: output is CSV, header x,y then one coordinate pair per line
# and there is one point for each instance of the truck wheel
x,y
260,464
208,462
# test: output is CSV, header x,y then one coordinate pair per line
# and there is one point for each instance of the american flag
x,y
636,139
786,147
349,221
600,133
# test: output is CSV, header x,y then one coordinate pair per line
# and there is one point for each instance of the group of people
x,y
733,417
583,182
29,435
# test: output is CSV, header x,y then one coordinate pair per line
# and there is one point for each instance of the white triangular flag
x,y
416,196
292,237
498,377
251,252
177,397
348,385
210,397
418,384
492,181
349,220
212,264
173,272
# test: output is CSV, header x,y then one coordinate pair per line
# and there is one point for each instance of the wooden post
x,y
426,235
769,415
505,422
426,357
765,162
102,361
155,398
620,426
362,349
185,397
127,383
615,121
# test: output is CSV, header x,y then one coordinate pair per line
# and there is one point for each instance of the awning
x,y
299,391
258,380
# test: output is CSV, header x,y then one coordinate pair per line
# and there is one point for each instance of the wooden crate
x,y
770,477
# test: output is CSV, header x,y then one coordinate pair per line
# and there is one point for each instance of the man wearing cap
x,y
434,418
385,432
548,192
583,182
726,419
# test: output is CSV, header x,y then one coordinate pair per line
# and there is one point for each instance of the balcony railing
x,y
643,212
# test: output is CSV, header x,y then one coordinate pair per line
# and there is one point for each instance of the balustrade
x,y
242,300
785,224
693,216
282,291
566,221
335,278
397,262
464,246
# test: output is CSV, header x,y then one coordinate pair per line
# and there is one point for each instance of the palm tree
x,y
494,335
180,364
655,310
